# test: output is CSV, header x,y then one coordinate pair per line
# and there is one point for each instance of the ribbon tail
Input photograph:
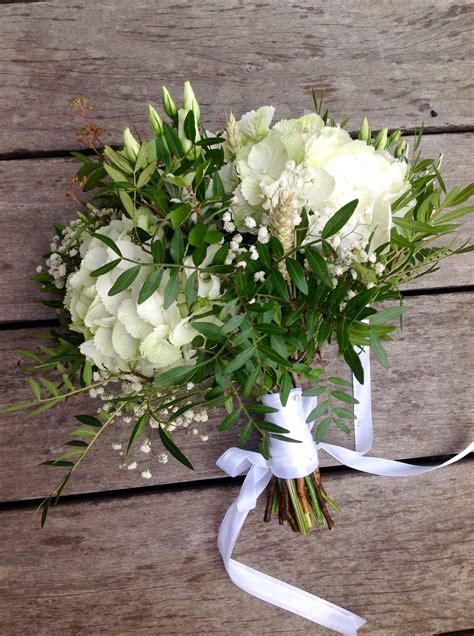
x,y
266,587
385,467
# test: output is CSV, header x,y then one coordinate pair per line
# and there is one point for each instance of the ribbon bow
x,y
236,461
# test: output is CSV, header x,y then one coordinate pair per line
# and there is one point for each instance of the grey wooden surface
x,y
400,555
125,561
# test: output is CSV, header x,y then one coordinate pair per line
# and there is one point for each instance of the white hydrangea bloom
x,y
120,334
324,169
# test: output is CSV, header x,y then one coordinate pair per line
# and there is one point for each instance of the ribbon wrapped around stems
x,y
288,461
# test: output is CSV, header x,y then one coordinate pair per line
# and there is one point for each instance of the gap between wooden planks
x,y
423,407
32,199
399,556
398,63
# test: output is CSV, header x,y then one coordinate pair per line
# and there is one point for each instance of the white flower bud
x,y
168,103
190,102
156,122
131,144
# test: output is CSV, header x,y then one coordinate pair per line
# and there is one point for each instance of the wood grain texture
x,y
400,555
398,63
32,199
423,406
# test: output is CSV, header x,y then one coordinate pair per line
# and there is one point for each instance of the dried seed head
x,y
234,138
282,223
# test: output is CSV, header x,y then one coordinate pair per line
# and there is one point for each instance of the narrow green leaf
x,y
261,408
296,273
49,386
89,420
344,397
87,373
150,285
177,246
158,251
230,420
314,391
180,214
279,284
339,219
174,377
108,241
352,359
190,291
318,411
127,203
232,324
322,429
171,289
273,355
240,359
318,265
245,432
284,438
334,379
124,281
285,387
208,330
146,175
272,428
197,235
172,140
108,267
387,315
172,448
378,349
137,429
345,414
35,388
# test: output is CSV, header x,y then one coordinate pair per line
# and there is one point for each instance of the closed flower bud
x,y
394,138
380,142
168,103
155,121
190,102
131,144
190,150
364,132
400,149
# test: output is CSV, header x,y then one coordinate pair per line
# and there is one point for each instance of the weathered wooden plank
x,y
399,63
423,406
32,199
400,555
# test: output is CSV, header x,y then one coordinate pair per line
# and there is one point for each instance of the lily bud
x,y
168,103
401,149
394,138
190,150
364,132
156,122
185,142
131,144
380,142
190,102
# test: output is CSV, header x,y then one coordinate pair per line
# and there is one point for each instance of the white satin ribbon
x,y
290,460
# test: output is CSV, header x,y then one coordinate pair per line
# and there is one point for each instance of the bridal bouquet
x,y
212,270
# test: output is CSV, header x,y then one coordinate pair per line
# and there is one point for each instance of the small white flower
x,y
242,264
132,466
250,222
116,446
263,235
204,438
39,269
259,277
190,386
93,393
229,226
195,431
146,474
379,268
145,447
253,253
163,458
